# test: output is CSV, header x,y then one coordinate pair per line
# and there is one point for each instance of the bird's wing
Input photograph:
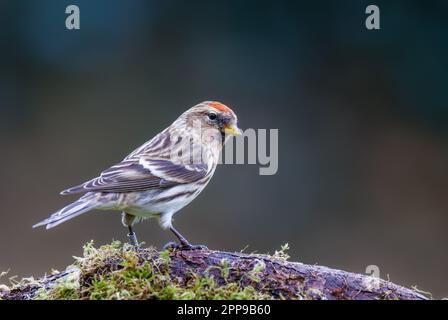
x,y
142,174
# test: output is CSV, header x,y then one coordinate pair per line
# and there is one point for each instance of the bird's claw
x,y
171,246
194,247
132,237
183,246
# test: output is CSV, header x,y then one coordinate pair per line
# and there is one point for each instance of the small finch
x,y
162,176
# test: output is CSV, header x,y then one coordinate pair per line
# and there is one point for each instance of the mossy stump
x,y
119,271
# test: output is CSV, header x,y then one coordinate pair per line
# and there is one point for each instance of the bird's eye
x,y
212,116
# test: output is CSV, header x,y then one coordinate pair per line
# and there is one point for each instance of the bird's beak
x,y
232,130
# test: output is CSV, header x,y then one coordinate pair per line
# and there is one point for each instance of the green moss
x,y
282,254
66,288
117,271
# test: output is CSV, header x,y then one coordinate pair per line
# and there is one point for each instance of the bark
x,y
278,278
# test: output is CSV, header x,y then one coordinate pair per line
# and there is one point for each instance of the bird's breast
x,y
149,203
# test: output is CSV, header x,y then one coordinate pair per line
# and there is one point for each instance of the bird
x,y
160,177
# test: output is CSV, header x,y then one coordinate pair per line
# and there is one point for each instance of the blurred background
x,y
362,118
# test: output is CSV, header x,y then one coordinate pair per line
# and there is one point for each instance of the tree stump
x,y
273,277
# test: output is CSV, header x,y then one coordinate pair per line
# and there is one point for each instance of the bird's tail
x,y
82,205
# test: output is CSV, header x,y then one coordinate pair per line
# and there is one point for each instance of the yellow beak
x,y
233,130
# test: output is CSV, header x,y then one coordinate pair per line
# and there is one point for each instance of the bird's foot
x,y
195,247
132,237
183,246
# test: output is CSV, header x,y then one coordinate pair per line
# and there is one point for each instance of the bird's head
x,y
213,115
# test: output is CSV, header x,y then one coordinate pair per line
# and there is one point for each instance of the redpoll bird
x,y
160,177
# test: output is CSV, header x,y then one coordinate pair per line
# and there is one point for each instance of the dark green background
x,y
362,117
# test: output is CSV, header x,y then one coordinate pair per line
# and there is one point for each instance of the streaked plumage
x,y
163,175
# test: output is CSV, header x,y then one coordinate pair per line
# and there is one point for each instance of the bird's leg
x,y
184,244
128,220
132,237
